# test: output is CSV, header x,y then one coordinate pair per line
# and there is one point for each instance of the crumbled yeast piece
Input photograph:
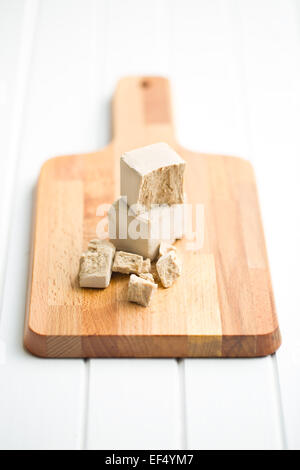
x,y
152,175
96,266
140,290
127,263
147,276
146,266
165,248
168,268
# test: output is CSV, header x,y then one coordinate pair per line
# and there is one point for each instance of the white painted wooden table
x,y
235,70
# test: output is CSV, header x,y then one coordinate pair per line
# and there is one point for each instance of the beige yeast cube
x,y
152,175
127,263
142,233
140,290
96,266
98,245
168,268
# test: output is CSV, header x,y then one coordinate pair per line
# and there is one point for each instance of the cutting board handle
x,y
142,110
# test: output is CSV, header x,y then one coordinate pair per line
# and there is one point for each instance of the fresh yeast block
x,y
142,233
140,290
99,245
127,263
168,268
152,175
96,264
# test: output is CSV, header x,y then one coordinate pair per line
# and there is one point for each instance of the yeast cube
x,y
152,175
140,290
96,264
141,233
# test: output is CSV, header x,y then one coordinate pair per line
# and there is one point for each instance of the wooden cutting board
x,y
221,306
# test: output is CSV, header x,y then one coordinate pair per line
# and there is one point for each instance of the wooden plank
x,y
42,403
127,56
270,45
207,30
134,404
203,56
230,404
17,21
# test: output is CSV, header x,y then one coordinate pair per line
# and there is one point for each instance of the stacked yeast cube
x,y
143,224
150,209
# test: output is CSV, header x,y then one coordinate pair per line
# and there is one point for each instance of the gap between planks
x,y
278,396
182,403
85,404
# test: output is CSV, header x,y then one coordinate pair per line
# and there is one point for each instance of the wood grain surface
x,y
221,306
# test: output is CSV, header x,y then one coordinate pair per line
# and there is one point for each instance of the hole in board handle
x,y
145,83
